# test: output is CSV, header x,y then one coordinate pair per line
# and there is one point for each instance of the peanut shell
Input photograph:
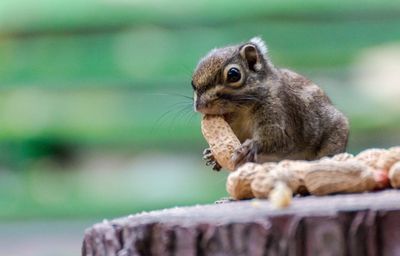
x,y
238,182
370,156
223,142
394,175
327,177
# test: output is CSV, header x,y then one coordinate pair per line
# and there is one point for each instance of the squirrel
x,y
276,113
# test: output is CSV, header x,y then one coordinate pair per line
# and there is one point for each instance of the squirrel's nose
x,y
199,105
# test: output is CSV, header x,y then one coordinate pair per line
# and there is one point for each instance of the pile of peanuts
x,y
372,169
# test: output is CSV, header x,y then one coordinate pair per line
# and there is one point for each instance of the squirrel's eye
x,y
233,75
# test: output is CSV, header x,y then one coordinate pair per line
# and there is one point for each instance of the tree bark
x,y
356,224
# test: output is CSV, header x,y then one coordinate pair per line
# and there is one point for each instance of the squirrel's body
x,y
276,113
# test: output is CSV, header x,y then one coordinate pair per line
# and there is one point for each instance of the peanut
x,y
281,195
370,156
239,182
223,142
264,181
342,157
327,177
387,159
394,175
321,177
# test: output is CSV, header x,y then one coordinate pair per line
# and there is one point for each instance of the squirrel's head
x,y
229,78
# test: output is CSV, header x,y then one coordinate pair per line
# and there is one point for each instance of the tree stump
x,y
355,224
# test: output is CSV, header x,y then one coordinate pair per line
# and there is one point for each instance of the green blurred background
x,y
93,123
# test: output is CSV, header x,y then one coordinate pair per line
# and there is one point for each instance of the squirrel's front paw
x,y
210,160
246,153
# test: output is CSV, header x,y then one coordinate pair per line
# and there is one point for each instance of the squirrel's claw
x,y
210,160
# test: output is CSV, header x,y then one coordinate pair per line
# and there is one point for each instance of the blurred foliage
x,y
48,191
83,76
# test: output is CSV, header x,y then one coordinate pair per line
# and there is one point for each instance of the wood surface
x,y
354,224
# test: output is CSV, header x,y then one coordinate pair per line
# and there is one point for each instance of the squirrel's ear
x,y
253,52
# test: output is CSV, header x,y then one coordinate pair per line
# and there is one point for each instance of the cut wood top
x,y
250,209
352,224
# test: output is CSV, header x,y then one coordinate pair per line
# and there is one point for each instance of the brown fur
x,y
276,113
